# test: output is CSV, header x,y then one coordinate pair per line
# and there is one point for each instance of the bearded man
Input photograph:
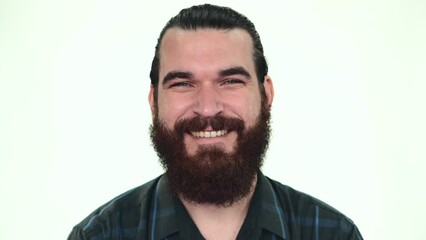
x,y
210,99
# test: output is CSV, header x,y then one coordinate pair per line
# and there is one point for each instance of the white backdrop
x,y
348,117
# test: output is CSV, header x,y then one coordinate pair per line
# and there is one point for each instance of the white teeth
x,y
209,134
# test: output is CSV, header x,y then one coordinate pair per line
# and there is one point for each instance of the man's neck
x,y
217,222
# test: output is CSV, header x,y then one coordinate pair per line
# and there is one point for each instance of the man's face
x,y
210,124
208,73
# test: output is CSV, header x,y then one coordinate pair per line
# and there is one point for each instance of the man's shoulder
x,y
303,211
300,201
130,205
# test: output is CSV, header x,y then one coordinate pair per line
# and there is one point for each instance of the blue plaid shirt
x,y
276,212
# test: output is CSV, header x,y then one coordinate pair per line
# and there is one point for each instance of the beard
x,y
211,175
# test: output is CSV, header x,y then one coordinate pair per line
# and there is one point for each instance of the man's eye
x,y
181,84
232,82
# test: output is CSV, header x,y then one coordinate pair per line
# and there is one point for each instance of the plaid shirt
x,y
276,212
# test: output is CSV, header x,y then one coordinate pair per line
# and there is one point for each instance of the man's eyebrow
x,y
176,74
235,71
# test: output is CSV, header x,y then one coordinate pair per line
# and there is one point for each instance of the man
x,y
210,99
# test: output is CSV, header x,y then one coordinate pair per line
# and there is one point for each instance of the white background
x,y
348,117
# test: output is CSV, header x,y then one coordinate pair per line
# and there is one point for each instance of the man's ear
x,y
151,100
269,91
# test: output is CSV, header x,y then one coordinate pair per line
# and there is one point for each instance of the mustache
x,y
199,123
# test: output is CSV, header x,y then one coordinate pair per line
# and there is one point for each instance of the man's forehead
x,y
206,48
179,35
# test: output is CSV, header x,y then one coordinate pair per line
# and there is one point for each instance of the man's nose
x,y
208,102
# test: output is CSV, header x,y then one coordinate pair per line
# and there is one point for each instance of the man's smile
x,y
209,134
225,139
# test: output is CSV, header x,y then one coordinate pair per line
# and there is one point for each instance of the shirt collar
x,y
163,214
271,214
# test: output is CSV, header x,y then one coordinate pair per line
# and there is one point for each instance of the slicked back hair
x,y
209,16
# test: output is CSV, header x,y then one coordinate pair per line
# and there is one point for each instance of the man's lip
x,y
209,134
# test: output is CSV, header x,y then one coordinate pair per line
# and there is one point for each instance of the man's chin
x,y
194,146
205,149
